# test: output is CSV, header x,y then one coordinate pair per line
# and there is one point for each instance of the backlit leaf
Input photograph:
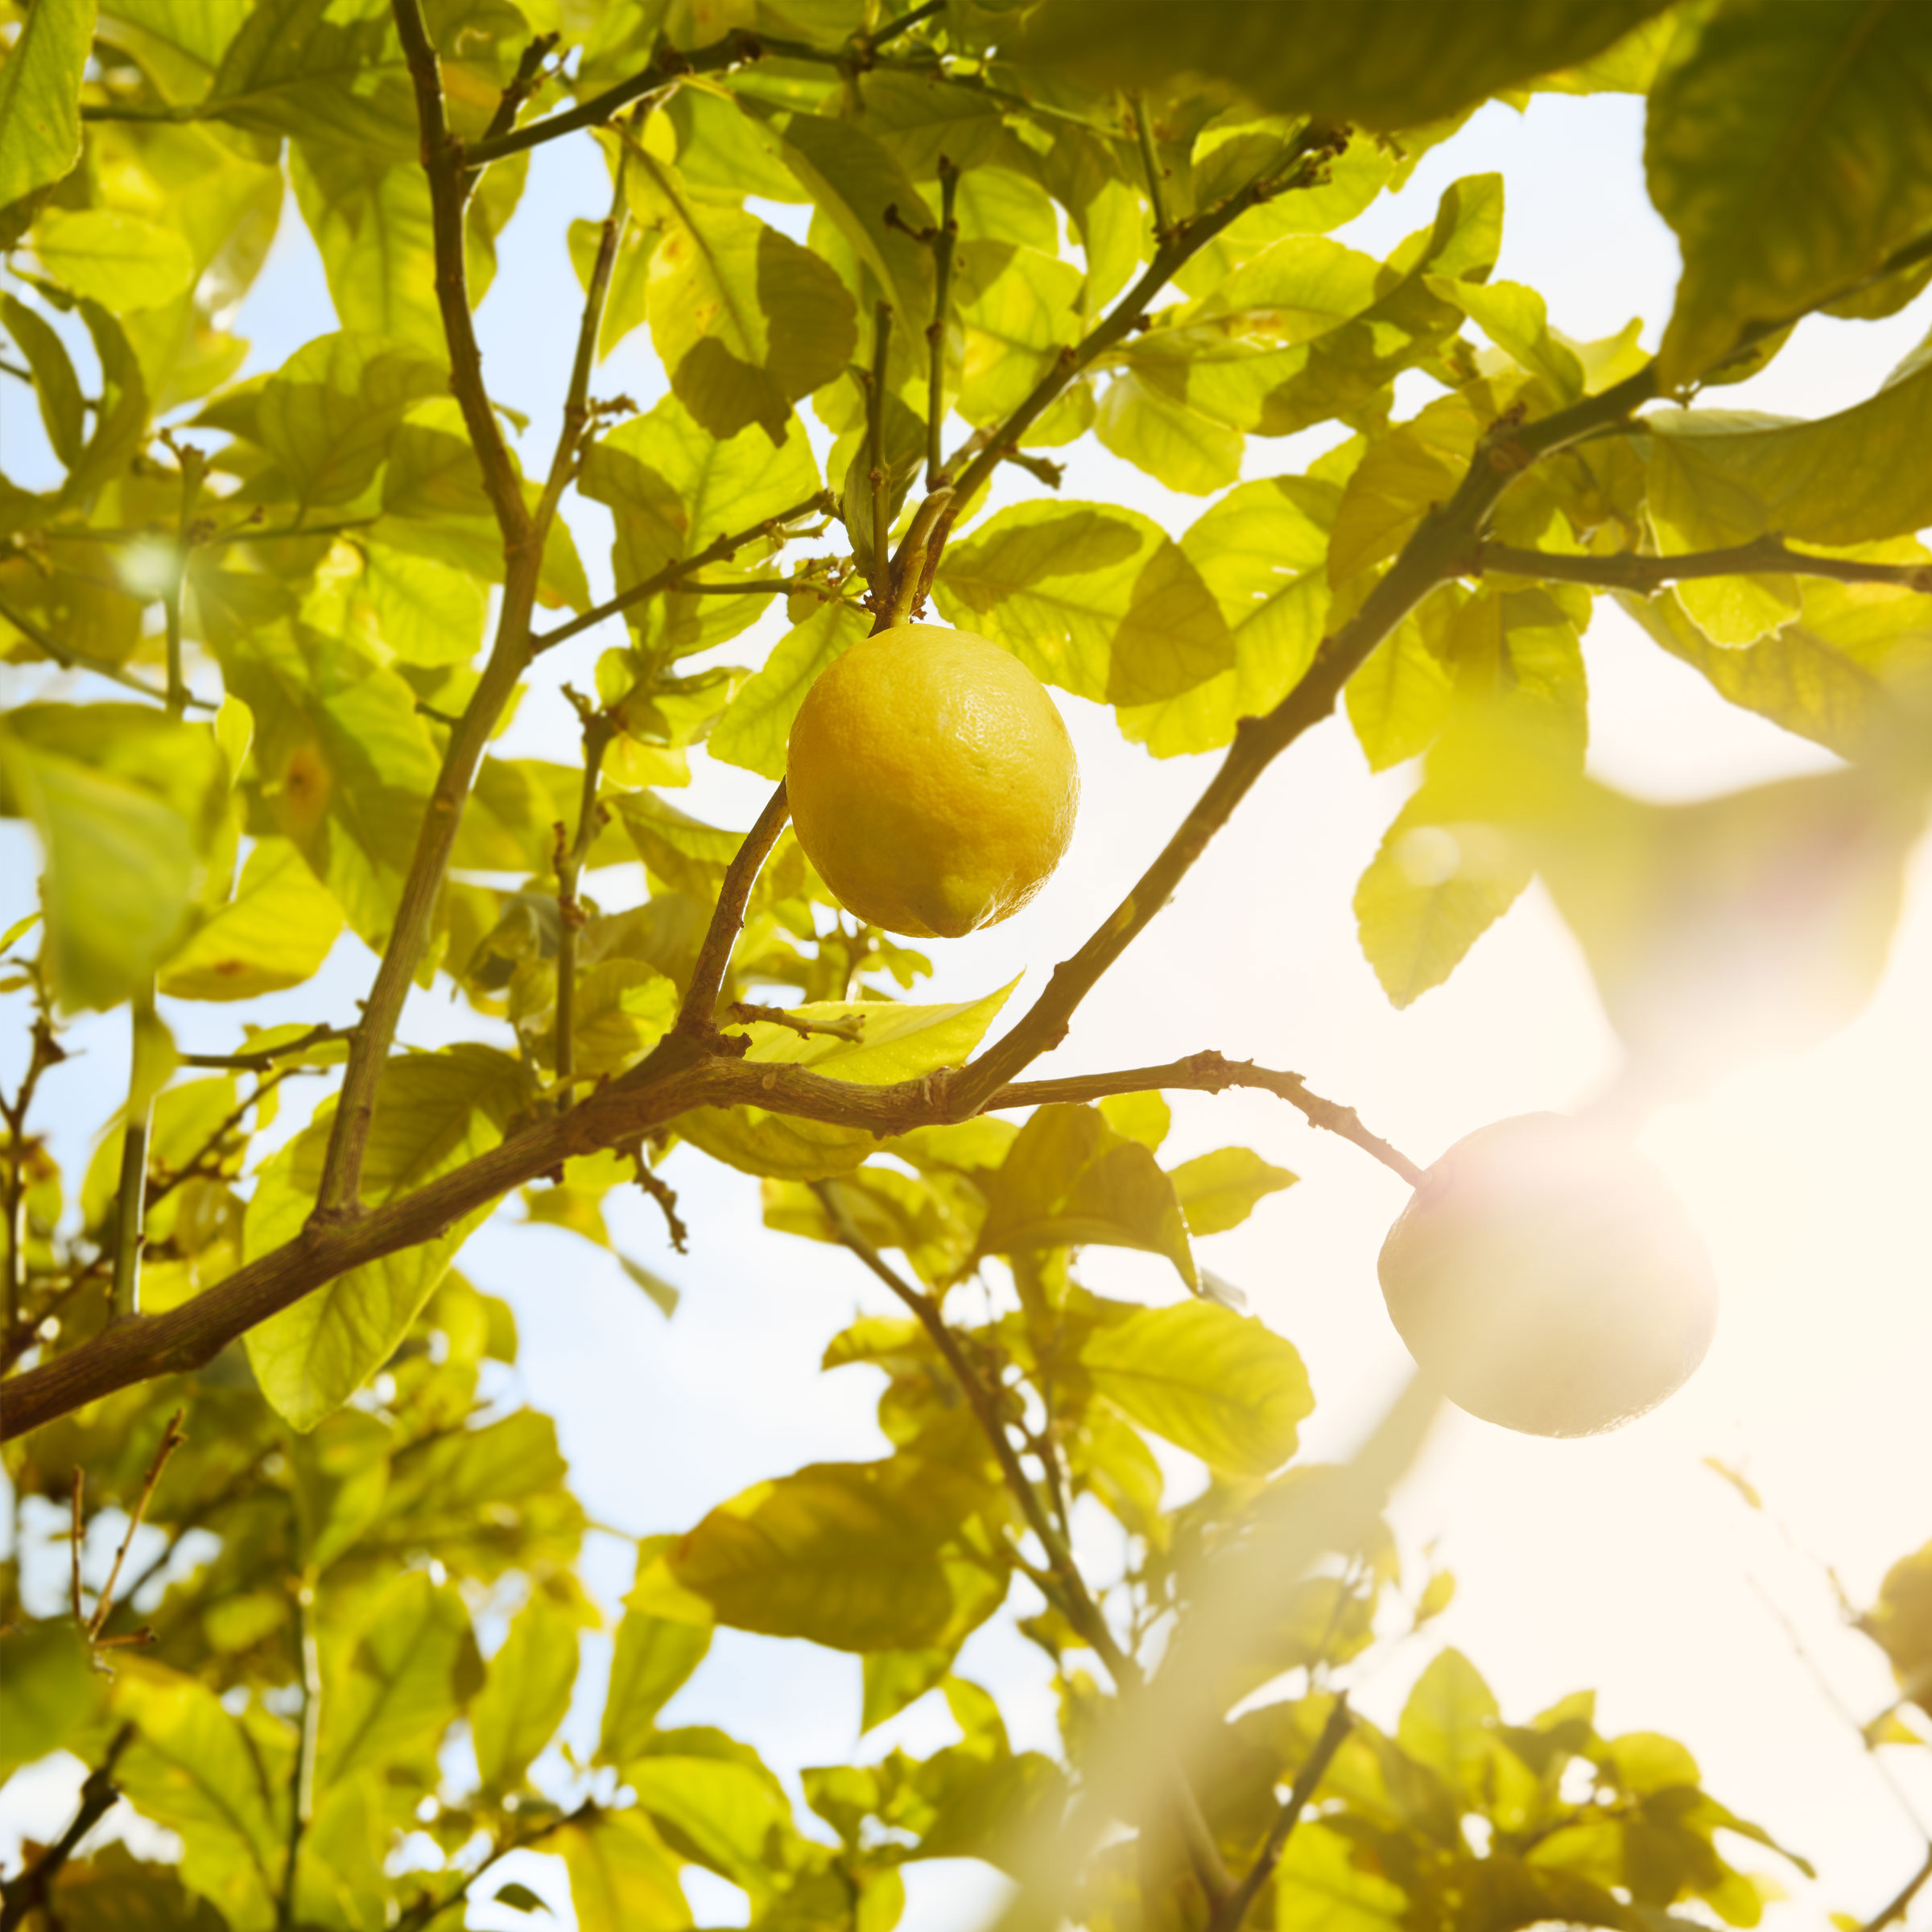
x,y
1220,1385
113,258
755,728
526,1692
1769,225
621,1878
856,1556
276,932
1220,1190
41,98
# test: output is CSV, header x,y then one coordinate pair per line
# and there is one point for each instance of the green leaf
x,y
1770,224
652,1657
125,802
51,1689
292,69
1095,599
711,1802
1719,478
434,1112
56,388
894,1679
1841,672
855,1556
1321,1887
328,414
518,1898
345,761
373,231
745,320
274,933
1145,1117
1174,444
1015,319
755,728
113,258
193,1768
1435,886
424,612
1517,319
1219,1385
1220,1190
898,1042
415,1669
1399,700
526,1692
852,180
41,98
1380,64
621,1878
1261,551
1450,1723
1069,1179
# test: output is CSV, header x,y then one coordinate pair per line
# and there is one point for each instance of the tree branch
x,y
717,551
171,1440
944,238
27,1891
696,1018
1644,575
70,659
1235,1908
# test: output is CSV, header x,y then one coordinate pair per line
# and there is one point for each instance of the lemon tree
x,y
297,1576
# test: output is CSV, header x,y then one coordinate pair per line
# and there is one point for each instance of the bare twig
x,y
1151,166
670,577
694,1018
1890,1914
1235,1907
741,1014
70,659
43,1051
661,1191
77,1531
302,1781
171,1440
27,1891
880,476
261,1061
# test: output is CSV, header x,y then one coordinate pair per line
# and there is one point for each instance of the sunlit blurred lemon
x,y
932,783
1547,1276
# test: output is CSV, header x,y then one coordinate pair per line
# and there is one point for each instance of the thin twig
x,y
302,1780
171,1440
661,1191
1644,575
892,29
130,1199
1235,1908
598,728
27,1891
944,236
70,659
695,1016
717,551
1068,1588
1211,1073
76,1493
740,1013
261,1061
1151,166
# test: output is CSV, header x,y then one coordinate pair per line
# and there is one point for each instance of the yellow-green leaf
x,y
276,932
116,258
1220,1190
40,97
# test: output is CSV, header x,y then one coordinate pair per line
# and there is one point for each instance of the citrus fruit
x,y
1547,1276
932,783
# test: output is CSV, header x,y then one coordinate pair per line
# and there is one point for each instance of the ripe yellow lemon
x,y
1548,1278
932,783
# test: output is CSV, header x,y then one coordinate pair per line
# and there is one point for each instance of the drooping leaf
x,y
51,1690
755,728
416,1667
1219,1385
1769,224
526,1692
113,258
434,1112
124,801
276,932
745,320
1069,1179
1220,1190
41,98
1095,599
856,1556
621,1878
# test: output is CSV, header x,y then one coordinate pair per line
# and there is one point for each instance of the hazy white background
x,y
1620,1563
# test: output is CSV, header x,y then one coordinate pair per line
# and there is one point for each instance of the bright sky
x,y
1620,1562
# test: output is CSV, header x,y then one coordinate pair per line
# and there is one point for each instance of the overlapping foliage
x,y
1042,221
